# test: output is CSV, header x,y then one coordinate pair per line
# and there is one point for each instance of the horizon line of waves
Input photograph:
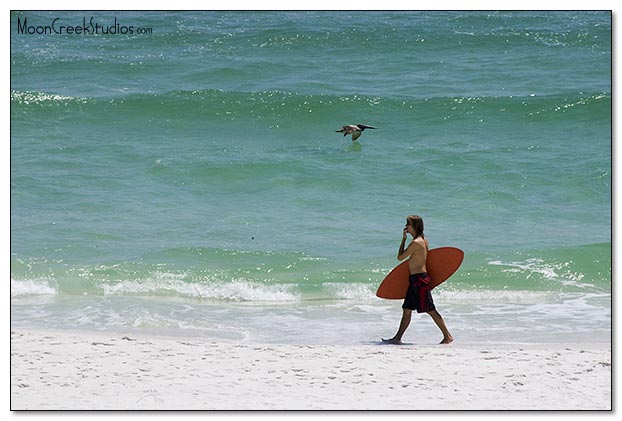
x,y
275,98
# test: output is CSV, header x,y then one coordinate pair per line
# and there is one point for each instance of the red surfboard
x,y
441,263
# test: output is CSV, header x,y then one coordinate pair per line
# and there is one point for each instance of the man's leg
x,y
406,315
447,338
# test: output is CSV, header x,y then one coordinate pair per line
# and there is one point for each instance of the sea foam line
x,y
29,97
29,287
174,284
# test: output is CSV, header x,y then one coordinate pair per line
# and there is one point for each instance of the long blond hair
x,y
416,222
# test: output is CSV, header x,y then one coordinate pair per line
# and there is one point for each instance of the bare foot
x,y
391,341
447,340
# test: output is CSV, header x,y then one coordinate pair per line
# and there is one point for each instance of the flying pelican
x,y
354,129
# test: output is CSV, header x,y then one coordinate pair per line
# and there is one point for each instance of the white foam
x,y
174,284
350,291
550,271
28,287
493,296
39,97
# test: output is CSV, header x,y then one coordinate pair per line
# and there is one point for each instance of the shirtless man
x,y
418,296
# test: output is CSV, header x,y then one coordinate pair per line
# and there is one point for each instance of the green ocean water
x,y
187,177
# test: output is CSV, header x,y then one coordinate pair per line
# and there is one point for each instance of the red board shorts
x,y
418,296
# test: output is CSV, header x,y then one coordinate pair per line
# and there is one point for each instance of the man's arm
x,y
403,254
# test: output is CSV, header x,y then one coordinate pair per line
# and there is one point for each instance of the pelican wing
x,y
356,135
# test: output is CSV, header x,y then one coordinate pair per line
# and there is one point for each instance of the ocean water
x,y
179,172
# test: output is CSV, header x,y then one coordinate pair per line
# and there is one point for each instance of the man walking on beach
x,y
418,296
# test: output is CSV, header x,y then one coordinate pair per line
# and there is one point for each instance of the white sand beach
x,y
71,370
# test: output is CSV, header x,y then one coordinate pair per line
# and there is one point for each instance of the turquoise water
x,y
188,179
